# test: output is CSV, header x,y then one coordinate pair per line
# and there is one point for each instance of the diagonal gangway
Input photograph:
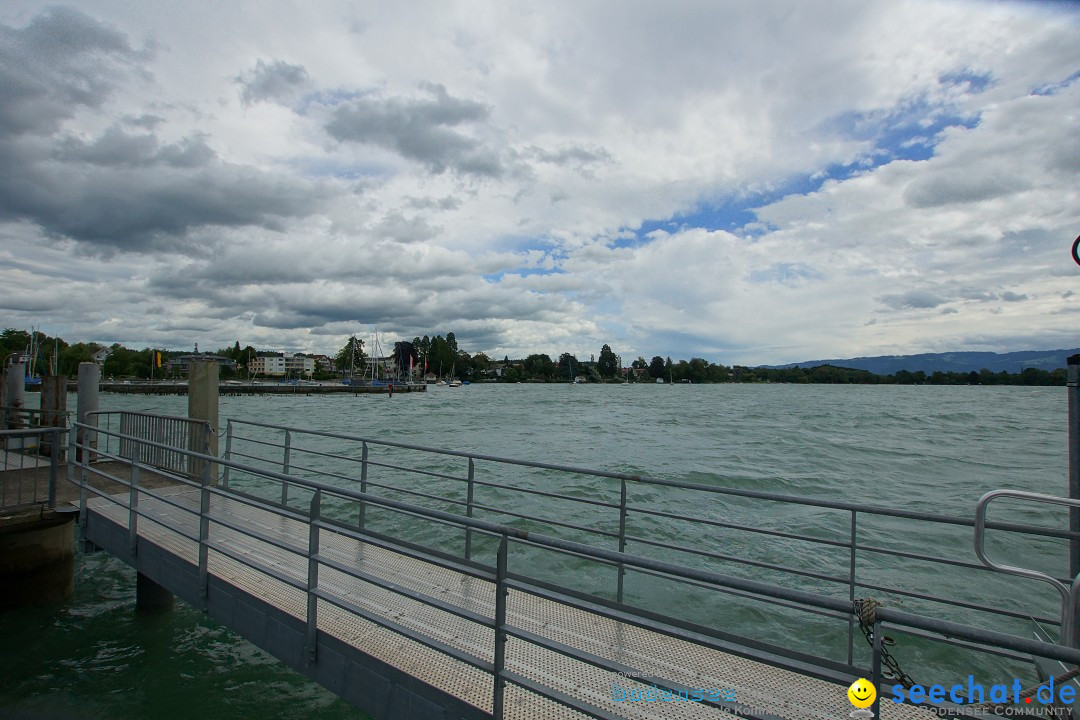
x,y
407,610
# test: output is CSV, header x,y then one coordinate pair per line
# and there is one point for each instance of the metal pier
x,y
289,557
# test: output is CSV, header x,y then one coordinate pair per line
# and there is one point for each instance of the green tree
x,y
539,366
351,356
441,358
481,364
656,367
568,367
608,365
72,355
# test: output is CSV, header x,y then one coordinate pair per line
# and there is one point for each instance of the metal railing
x,y
169,433
340,510
26,476
15,418
849,553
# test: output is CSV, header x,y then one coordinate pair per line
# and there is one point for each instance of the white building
x,y
299,365
268,365
283,364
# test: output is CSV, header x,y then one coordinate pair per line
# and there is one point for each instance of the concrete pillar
x,y
37,559
89,380
53,407
15,393
151,597
203,405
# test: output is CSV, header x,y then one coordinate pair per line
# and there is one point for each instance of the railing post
x,y
71,460
204,535
363,483
875,670
469,510
133,511
622,539
851,591
228,455
500,635
54,460
83,460
1073,388
285,467
313,576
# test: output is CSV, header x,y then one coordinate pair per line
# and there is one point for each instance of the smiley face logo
x,y
862,693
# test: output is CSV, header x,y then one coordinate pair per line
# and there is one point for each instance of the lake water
x,y
928,448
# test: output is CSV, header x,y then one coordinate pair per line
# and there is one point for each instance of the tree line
x,y
442,357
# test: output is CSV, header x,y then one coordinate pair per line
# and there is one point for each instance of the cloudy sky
x,y
747,182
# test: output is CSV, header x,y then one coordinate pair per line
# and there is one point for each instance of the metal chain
x,y
865,611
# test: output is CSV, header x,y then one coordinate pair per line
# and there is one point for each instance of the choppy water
x,y
931,448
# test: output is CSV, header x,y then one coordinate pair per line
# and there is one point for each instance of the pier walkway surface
x,y
292,558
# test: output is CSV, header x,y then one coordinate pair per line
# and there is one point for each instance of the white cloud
x,y
287,178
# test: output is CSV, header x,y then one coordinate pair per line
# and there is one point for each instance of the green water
x,y
929,448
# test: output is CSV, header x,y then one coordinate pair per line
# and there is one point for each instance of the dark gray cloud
x,y
122,190
398,228
913,299
428,203
420,130
276,81
573,155
949,188
62,60
125,192
1013,297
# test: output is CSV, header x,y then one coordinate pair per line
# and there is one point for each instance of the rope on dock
x,y
866,611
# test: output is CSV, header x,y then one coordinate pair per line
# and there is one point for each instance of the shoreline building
x,y
282,365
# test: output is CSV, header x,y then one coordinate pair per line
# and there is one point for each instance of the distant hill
x,y
1013,362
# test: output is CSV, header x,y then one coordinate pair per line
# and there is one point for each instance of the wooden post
x,y
203,405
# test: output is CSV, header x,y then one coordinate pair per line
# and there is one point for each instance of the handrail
x,y
735,492
1068,595
55,444
830,542
504,579
707,576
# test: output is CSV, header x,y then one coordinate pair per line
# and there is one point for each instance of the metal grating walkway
x,y
275,570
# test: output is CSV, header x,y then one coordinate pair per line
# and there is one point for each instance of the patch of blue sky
x,y
910,132
330,168
976,82
325,98
521,272
1055,88
734,213
784,274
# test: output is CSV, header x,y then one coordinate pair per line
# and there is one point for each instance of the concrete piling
x,y
89,379
37,558
203,405
151,597
15,392
53,408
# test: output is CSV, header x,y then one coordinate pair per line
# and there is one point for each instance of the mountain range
x,y
1012,362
